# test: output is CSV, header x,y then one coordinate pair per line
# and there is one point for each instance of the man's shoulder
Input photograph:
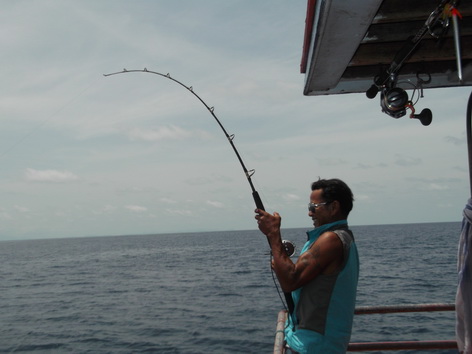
x,y
329,238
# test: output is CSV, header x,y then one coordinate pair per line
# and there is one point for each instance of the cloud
x,y
407,161
168,201
5,215
107,209
21,209
179,212
331,162
364,166
363,197
438,187
435,184
171,132
215,204
289,197
437,180
49,176
136,208
455,141
208,180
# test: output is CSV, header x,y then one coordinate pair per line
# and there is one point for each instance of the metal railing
x,y
402,345
279,332
376,346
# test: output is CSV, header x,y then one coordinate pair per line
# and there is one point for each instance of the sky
x,y
87,155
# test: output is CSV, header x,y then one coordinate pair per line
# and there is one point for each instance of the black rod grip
x,y
258,201
290,303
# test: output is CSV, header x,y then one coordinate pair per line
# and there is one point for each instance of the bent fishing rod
x,y
289,247
248,173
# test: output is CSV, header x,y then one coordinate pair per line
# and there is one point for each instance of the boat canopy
x,y
348,44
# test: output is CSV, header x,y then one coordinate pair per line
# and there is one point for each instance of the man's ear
x,y
335,207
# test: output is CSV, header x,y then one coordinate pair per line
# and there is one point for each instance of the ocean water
x,y
206,292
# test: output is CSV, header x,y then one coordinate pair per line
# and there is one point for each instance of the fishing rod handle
x,y
288,296
257,200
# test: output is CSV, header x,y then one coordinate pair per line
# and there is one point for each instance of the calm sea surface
x,y
205,292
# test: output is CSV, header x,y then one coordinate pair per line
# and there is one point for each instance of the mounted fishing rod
x,y
394,100
289,246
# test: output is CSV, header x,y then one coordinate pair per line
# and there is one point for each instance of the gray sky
x,y
84,155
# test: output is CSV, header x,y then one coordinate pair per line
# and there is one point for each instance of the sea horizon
x,y
31,238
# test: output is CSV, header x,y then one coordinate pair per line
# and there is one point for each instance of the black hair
x,y
335,189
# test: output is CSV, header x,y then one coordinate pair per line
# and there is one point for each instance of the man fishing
x,y
323,281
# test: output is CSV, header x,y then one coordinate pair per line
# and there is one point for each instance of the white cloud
x,y
362,197
21,209
215,204
5,215
49,176
331,162
402,160
171,132
168,201
438,187
289,197
180,212
365,166
107,209
455,140
136,208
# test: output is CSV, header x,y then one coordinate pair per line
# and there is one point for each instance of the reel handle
x,y
425,117
372,92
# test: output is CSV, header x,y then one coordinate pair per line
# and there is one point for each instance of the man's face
x,y
320,214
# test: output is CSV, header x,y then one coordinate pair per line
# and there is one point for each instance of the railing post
x,y
469,138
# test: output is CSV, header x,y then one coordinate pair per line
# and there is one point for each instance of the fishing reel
x,y
289,247
394,100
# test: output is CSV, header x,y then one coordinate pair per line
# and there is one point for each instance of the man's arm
x,y
324,257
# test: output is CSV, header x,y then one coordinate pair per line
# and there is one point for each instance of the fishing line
x,y
230,138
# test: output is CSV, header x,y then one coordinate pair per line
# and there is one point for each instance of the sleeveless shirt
x,y
324,308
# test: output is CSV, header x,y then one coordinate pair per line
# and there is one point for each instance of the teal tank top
x,y
324,308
